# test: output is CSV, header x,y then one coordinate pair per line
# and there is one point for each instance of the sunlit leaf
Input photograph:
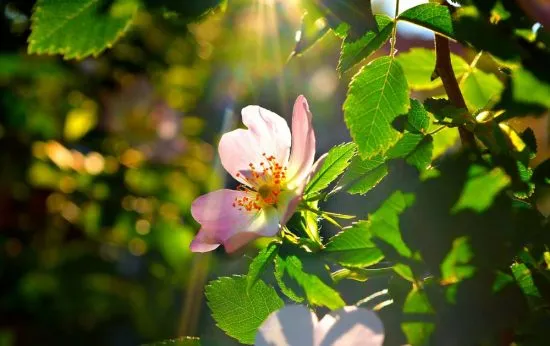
x,y
354,51
480,88
419,64
335,163
353,247
433,16
418,119
78,28
316,291
377,94
417,303
238,311
362,175
529,89
455,266
491,182
384,222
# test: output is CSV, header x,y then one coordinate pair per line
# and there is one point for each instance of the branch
x,y
444,69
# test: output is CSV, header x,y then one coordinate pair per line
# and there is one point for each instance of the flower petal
x,y
263,223
221,223
291,325
267,134
270,129
288,202
350,326
303,143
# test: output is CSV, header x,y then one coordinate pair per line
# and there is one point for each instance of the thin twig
x,y
394,31
444,70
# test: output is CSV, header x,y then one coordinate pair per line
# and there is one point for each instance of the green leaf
x,y
362,175
354,52
280,271
421,156
417,303
419,63
259,263
316,291
353,247
480,88
481,179
183,341
239,312
526,283
432,16
335,163
454,267
443,109
418,119
377,95
529,89
384,222
78,28
444,140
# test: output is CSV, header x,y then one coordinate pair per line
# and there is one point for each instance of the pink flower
x,y
272,179
296,325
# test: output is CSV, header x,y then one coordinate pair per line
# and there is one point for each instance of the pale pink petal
x,y
292,325
317,165
221,223
271,130
303,143
267,134
288,202
263,223
203,242
350,326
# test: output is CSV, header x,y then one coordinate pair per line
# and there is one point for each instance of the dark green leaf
x,y
377,94
78,28
353,248
354,51
433,16
335,163
259,263
238,311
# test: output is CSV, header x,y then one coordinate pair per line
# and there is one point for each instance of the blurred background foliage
x,y
101,158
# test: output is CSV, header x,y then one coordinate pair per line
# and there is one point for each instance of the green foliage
x,y
418,65
418,304
529,89
259,264
491,182
363,175
238,311
78,28
333,166
354,51
480,89
353,247
377,95
433,16
294,270
455,267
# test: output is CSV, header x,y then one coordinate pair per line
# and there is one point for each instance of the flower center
x,y
264,184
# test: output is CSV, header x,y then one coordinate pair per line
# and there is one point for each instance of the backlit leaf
x,y
238,311
377,94
432,16
78,28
